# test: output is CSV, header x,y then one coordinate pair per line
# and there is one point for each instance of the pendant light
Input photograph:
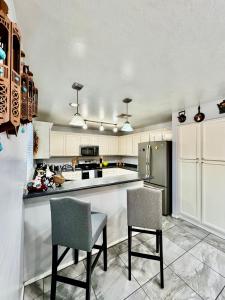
x,y
77,119
127,126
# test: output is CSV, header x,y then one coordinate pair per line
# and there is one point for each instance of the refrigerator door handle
x,y
150,161
146,161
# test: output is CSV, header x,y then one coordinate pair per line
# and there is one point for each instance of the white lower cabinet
x,y
213,196
188,186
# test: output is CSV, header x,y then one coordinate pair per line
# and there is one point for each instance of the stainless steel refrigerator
x,y
155,166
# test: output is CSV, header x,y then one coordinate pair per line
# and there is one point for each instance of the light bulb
x,y
115,129
85,126
101,127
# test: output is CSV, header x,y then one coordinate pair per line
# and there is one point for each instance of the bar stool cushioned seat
x,y
144,210
98,221
75,226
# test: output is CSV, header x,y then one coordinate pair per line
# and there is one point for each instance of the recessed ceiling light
x,y
73,104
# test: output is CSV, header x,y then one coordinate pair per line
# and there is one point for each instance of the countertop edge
x,y
88,187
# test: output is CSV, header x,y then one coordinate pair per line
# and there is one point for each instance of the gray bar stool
x,y
144,210
75,226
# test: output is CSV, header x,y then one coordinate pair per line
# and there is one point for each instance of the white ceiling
x,y
164,54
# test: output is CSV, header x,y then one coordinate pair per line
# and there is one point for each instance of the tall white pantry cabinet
x,y
201,173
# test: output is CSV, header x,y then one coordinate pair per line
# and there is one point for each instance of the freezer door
x,y
159,163
144,160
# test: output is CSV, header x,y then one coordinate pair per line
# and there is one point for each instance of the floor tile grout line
x,y
186,251
204,262
180,226
220,293
186,283
199,261
140,288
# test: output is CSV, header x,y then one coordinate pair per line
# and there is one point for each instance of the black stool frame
x,y
90,266
159,248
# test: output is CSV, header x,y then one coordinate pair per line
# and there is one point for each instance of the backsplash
x,y
68,160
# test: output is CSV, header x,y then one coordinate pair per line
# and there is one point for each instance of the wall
x,y
211,111
12,178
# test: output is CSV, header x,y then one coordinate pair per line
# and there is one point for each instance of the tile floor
x,y
194,269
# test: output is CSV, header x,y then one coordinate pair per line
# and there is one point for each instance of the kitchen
x,y
64,134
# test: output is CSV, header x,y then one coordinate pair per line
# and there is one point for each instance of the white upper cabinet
x,y
72,144
85,139
43,130
144,136
136,139
214,140
167,135
68,144
189,141
156,136
57,143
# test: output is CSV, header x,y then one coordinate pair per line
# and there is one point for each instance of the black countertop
x,y
78,185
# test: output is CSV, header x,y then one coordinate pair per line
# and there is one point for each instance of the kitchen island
x,y
107,195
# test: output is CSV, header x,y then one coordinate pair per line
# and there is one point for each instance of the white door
x,y
57,143
188,186
72,144
189,141
213,196
214,140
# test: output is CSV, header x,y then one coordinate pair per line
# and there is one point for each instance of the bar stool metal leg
x,y
129,251
105,247
161,259
88,276
54,270
157,241
76,256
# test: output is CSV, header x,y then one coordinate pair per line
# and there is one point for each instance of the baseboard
x,y
206,227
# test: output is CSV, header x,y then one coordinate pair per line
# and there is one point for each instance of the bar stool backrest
x,y
144,208
71,223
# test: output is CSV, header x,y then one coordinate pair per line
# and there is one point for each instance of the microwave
x,y
89,150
